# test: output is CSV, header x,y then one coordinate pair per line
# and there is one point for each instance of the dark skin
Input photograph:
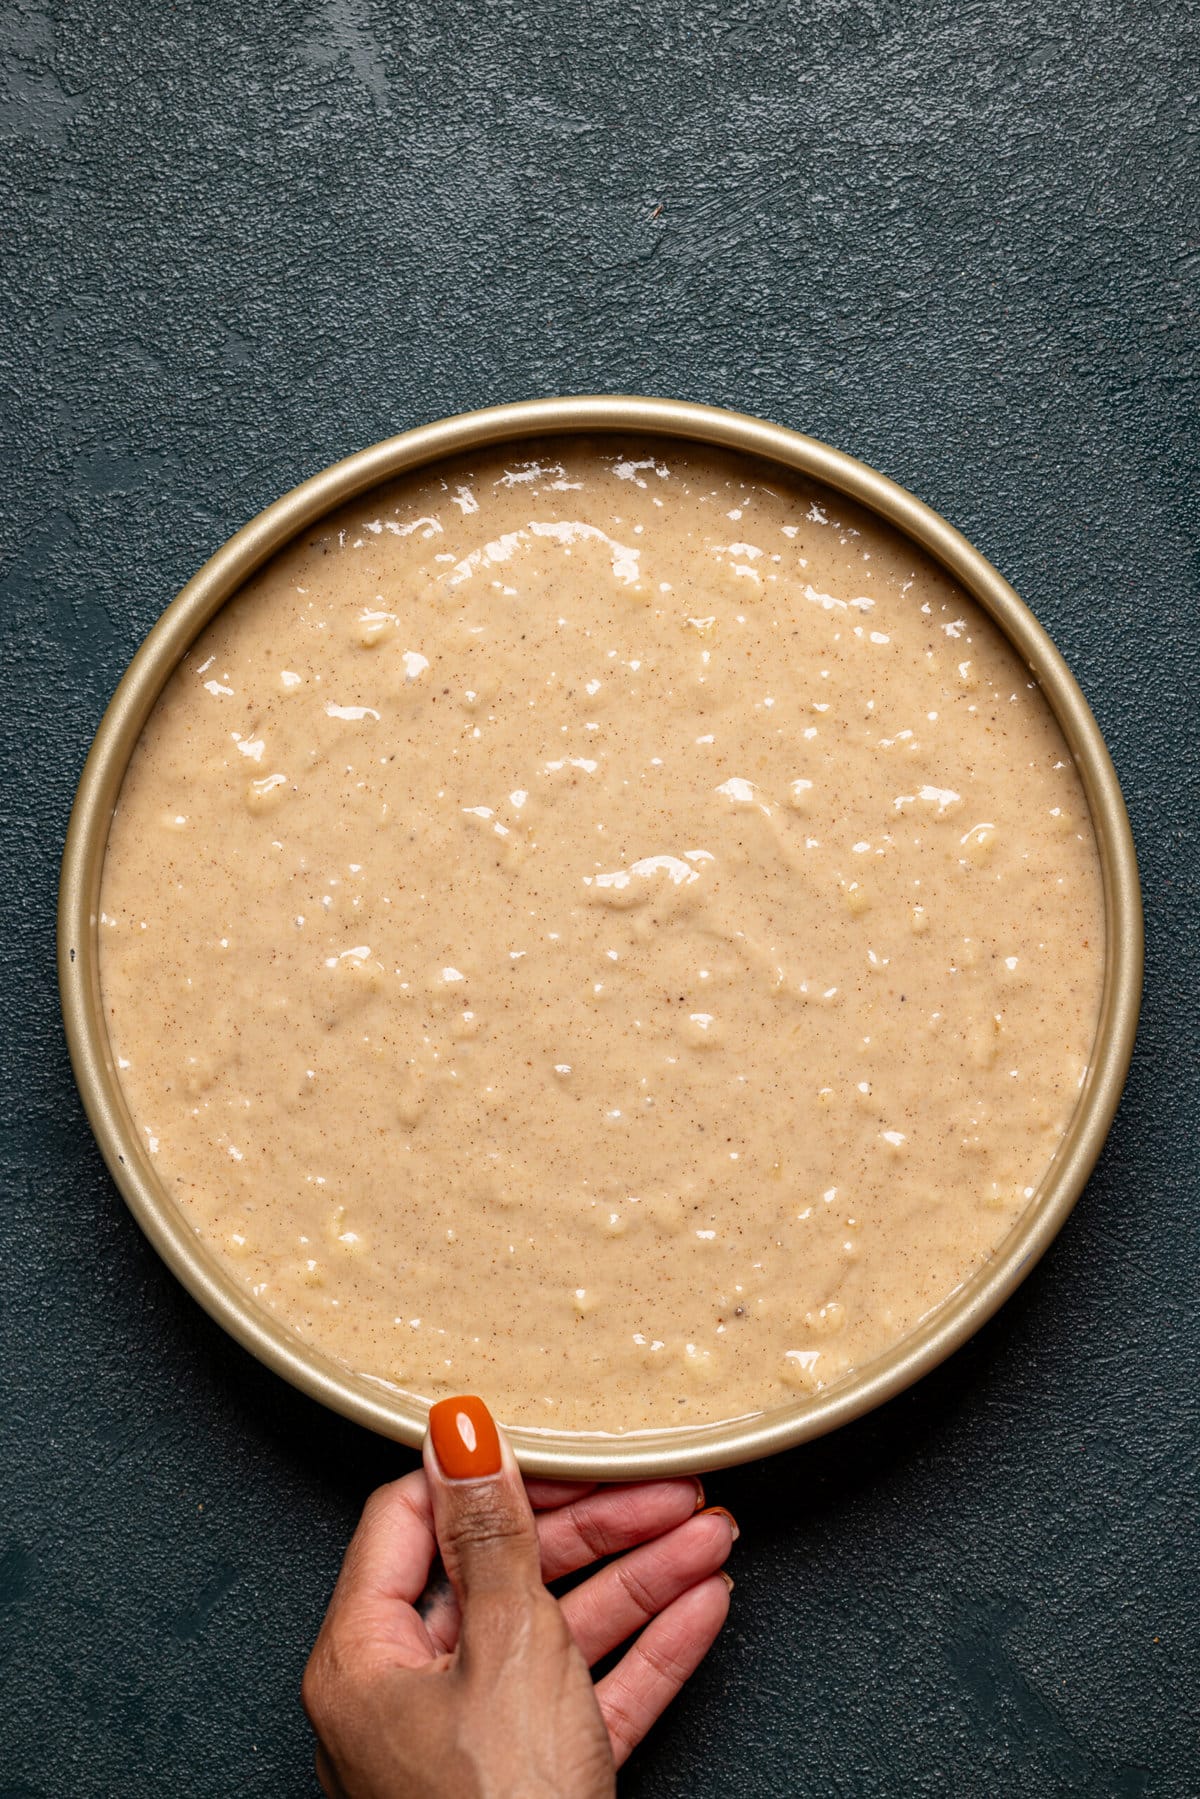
x,y
479,1687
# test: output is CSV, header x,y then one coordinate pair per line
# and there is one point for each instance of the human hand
x,y
477,1687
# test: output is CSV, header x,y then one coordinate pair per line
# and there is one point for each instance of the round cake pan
x,y
371,1402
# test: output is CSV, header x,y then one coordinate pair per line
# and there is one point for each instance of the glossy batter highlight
x,y
607,925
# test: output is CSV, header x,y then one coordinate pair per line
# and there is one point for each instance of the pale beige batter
x,y
605,926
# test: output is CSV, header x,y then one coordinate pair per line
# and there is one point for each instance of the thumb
x,y
481,1515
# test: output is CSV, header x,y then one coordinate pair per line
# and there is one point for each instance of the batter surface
x,y
603,925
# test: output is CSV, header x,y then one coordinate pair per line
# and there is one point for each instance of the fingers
x,y
391,1552
612,1519
602,1522
548,1495
482,1517
385,1568
607,1609
669,1650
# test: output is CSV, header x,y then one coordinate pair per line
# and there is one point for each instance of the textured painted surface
x,y
956,240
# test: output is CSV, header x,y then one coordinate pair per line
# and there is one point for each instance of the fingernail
x,y
464,1438
699,1505
719,1511
727,1578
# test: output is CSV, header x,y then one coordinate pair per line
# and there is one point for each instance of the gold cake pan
x,y
369,1401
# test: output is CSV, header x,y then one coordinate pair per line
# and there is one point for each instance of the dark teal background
x,y
957,240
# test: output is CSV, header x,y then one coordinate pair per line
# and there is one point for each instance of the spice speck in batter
x,y
605,925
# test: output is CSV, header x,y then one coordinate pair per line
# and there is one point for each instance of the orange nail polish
x,y
464,1438
721,1512
700,1500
